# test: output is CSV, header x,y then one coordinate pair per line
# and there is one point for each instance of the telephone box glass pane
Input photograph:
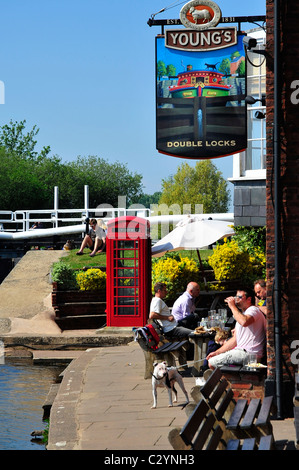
x,y
126,277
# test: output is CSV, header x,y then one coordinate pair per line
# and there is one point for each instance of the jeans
x,y
178,332
234,356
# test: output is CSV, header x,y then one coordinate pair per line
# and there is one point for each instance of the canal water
x,y
24,387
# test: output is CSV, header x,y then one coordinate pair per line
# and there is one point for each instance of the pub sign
x,y
200,87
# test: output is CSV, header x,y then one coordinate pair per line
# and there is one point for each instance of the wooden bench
x,y
169,351
243,418
227,421
202,431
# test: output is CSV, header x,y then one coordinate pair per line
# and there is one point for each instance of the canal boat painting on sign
x,y
200,96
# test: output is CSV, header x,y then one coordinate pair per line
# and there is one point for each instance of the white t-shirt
x,y
252,338
159,306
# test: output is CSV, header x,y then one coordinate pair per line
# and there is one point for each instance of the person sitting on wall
x,y
91,240
100,241
183,308
160,311
37,225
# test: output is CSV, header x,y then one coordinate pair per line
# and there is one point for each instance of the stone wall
x,y
250,203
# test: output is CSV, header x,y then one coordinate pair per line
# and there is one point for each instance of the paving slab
x,y
107,402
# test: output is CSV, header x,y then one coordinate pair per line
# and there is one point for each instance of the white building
x,y
249,167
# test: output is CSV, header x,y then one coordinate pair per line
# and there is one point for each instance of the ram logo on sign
x,y
200,15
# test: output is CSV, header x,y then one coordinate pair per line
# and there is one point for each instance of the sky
x,y
83,72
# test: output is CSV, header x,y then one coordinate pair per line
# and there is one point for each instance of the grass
x,y
79,262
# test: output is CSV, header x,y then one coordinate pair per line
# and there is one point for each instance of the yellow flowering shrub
x,y
92,279
258,260
229,262
176,272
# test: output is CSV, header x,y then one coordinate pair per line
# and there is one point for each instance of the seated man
x,y
159,311
261,295
250,332
184,307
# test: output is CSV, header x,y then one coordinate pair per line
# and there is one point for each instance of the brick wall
x,y
246,384
288,182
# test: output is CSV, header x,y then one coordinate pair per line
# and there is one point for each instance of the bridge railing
x,y
23,220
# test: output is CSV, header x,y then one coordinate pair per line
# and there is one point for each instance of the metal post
x,y
56,198
86,197
277,209
54,215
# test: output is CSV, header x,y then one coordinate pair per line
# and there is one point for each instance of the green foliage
x,y
92,279
64,275
12,138
106,181
46,432
175,271
161,69
19,183
202,184
147,199
249,238
27,177
253,240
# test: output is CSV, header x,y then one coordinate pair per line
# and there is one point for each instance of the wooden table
x,y
200,347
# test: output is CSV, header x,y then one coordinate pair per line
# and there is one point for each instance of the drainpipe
x,y
277,209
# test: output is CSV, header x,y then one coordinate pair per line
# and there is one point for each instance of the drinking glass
x,y
252,360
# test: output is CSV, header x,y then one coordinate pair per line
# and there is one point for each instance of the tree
x,y
147,199
161,69
21,188
28,176
171,70
107,181
12,137
203,184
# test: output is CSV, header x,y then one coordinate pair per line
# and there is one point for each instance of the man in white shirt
x,y
250,332
159,311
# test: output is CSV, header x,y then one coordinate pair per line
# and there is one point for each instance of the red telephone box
x,y
128,289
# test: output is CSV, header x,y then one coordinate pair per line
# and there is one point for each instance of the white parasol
x,y
193,233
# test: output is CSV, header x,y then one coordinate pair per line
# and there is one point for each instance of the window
x,y
255,155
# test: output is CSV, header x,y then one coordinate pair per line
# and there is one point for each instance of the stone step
x,y
80,322
56,357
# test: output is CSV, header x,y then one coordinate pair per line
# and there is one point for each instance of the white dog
x,y
164,376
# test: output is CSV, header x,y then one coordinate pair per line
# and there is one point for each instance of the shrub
x,y
176,272
253,240
92,279
64,275
230,263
